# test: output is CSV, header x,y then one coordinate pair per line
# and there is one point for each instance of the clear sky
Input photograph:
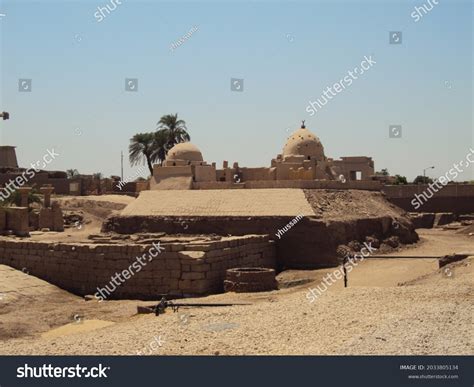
x,y
288,53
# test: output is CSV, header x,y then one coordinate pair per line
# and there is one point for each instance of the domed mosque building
x,y
302,158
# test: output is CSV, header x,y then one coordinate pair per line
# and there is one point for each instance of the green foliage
x,y
153,147
383,172
176,129
422,180
400,180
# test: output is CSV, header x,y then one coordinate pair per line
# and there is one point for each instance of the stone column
x,y
24,191
47,190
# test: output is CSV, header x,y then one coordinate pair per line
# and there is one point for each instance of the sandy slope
x,y
373,316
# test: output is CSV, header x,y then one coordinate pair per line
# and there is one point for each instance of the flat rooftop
x,y
227,202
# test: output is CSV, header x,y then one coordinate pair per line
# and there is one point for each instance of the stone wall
x,y
61,185
455,198
188,268
301,184
311,243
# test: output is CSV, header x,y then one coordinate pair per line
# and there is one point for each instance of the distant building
x,y
302,158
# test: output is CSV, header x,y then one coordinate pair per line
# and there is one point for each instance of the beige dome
x,y
184,151
304,143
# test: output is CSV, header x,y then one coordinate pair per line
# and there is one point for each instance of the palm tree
x,y
177,131
142,148
160,145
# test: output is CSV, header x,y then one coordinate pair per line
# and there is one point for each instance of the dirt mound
x,y
350,204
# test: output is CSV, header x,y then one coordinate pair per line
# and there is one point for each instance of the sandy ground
x,y
432,314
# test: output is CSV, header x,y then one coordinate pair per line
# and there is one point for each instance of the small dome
x,y
185,151
304,143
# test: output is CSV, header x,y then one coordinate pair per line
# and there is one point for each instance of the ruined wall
x,y
308,184
182,269
205,173
311,243
456,198
61,185
257,174
301,174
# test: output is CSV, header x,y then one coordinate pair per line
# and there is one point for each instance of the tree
x,y
72,173
160,145
400,180
97,175
383,172
177,131
422,180
142,148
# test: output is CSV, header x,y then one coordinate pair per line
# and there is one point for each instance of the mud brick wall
x,y
182,269
311,243
455,198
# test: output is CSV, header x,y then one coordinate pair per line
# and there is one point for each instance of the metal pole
x,y
121,165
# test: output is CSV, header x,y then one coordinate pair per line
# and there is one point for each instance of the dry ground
x,y
432,315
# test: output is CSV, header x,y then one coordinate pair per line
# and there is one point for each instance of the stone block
x,y
17,220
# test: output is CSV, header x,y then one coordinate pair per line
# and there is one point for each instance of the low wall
x,y
302,184
182,269
311,243
455,198
61,185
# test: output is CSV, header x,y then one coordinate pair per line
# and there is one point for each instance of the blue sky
x,y
286,52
